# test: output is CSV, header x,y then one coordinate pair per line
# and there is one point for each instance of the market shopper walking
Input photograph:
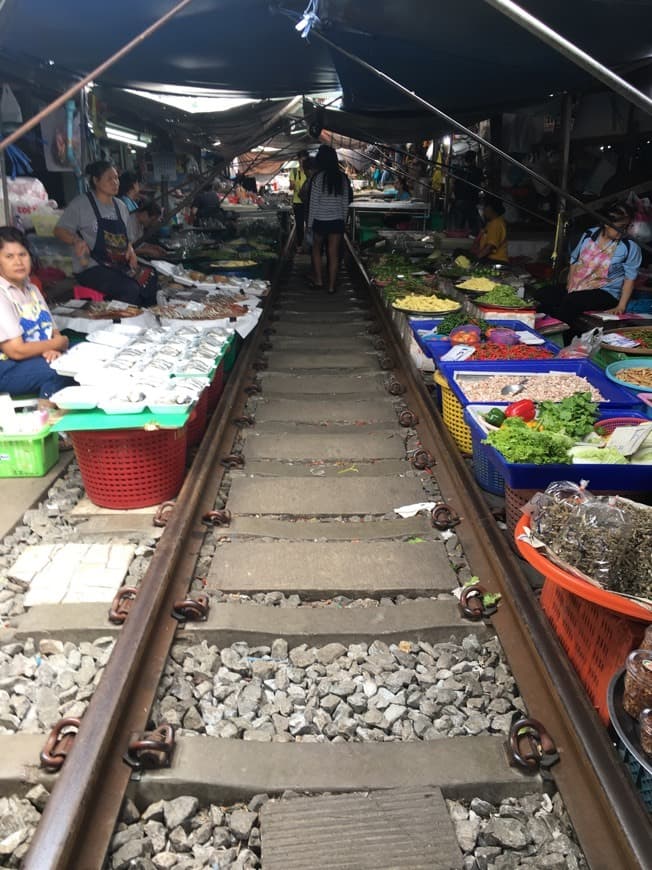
x,y
298,177
96,225
330,195
603,268
29,340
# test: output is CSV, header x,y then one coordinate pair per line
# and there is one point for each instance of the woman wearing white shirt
x,y
29,340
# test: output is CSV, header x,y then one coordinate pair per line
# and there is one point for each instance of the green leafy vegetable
x,y
574,415
503,294
460,319
598,455
519,443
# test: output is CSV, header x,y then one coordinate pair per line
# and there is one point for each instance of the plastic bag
x,y
27,195
10,113
605,540
583,346
641,228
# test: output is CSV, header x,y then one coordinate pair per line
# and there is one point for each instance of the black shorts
x,y
328,228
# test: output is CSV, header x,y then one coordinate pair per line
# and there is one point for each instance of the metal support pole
x,y
560,233
571,52
28,125
458,126
5,191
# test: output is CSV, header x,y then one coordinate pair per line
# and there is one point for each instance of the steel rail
x,y
611,824
80,816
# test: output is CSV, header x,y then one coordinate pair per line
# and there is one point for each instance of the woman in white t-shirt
x,y
29,340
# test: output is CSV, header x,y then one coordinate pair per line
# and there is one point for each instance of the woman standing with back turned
x,y
330,195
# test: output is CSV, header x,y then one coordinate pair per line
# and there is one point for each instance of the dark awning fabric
x,y
464,56
382,127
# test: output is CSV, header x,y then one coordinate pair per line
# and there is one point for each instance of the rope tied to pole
x,y
309,20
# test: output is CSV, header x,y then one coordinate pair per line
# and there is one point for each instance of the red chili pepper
x,y
493,351
525,409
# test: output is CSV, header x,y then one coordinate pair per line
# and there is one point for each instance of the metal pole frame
x,y
28,125
571,52
457,125
562,221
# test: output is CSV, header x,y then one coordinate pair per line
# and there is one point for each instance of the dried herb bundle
x,y
607,539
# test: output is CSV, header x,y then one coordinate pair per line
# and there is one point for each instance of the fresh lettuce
x,y
519,443
597,455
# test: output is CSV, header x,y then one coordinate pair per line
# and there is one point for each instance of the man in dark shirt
x,y
206,205
465,208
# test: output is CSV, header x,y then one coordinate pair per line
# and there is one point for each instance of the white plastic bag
x,y
27,195
10,113
641,228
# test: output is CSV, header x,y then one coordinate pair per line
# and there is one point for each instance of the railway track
x,y
333,660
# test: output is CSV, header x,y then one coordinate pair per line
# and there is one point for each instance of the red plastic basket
x,y
215,388
131,468
596,640
608,426
197,422
514,501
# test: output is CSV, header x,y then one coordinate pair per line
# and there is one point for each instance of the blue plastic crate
x,y
623,478
486,474
437,347
615,396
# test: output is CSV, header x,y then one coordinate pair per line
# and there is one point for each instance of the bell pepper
x,y
524,408
495,417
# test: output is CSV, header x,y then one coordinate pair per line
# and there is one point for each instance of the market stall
x,y
408,211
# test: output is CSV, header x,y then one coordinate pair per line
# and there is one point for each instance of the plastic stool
x,y
80,292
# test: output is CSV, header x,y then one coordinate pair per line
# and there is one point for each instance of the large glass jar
x,y
638,682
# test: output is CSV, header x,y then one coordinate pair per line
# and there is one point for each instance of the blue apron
x,y
112,241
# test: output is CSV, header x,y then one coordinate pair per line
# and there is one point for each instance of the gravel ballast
x,y
531,831
409,691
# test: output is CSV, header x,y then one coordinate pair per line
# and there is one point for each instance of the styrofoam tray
x,y
111,406
75,399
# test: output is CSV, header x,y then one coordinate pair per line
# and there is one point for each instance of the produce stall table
x,y
413,209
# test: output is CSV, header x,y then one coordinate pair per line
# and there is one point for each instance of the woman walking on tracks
x,y
330,195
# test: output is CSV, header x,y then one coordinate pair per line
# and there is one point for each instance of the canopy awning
x,y
465,57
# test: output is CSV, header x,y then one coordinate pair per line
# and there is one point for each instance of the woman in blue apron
x,y
29,341
96,225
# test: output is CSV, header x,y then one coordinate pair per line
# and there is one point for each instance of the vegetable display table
x,y
409,208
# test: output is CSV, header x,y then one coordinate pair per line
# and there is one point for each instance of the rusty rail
x,y
611,824
79,819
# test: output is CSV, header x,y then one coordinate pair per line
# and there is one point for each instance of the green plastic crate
x,y
28,455
604,357
232,352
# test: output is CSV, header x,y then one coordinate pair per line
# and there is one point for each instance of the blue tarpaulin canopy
x,y
464,56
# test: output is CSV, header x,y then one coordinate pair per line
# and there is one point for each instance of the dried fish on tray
x,y
216,309
109,311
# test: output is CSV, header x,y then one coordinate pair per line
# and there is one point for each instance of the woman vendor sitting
x,y
603,268
96,225
491,243
29,341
